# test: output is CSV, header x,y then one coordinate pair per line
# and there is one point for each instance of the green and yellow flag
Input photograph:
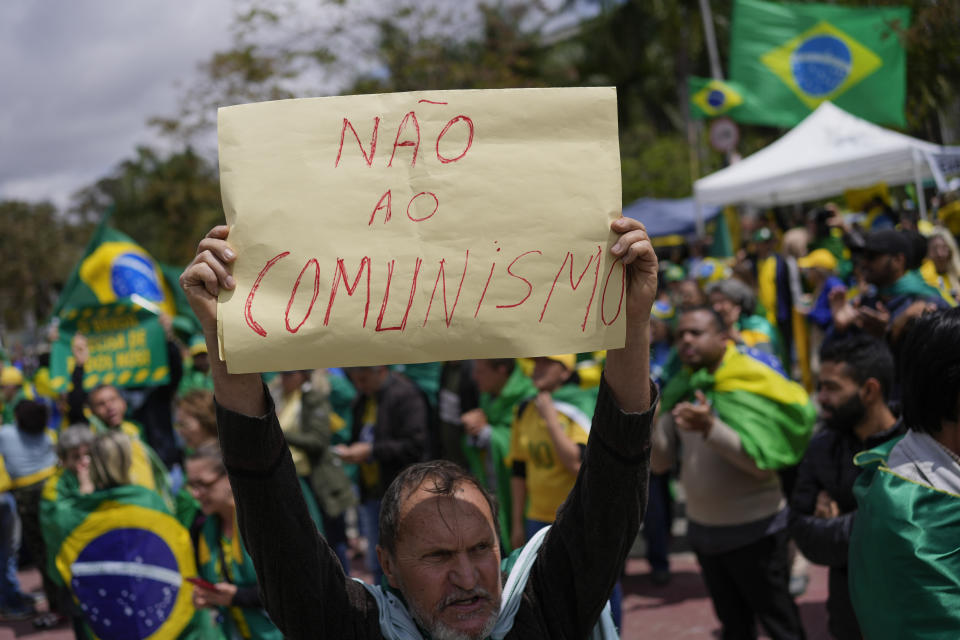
x,y
772,414
114,297
124,558
114,268
712,98
904,554
792,57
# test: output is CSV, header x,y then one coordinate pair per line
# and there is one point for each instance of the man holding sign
x,y
439,546
478,233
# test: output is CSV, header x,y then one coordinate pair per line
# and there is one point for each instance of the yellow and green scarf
x,y
772,415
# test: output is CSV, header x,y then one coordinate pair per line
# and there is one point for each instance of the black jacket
x,y
307,594
828,466
401,433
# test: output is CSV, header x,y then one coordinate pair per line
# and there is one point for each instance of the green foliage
x,y
165,203
39,248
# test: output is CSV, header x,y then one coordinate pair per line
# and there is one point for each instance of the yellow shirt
x,y
548,481
288,414
369,471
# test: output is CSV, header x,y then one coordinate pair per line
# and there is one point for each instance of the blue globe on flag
x,y
821,64
132,273
716,98
126,582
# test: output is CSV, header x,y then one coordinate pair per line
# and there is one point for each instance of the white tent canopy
x,y
829,152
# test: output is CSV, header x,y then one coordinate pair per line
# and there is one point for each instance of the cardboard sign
x,y
418,227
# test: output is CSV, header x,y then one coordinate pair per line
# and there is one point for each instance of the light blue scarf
x,y
397,624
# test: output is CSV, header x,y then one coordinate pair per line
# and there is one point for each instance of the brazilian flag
x,y
113,269
772,414
712,98
114,297
904,554
792,57
124,558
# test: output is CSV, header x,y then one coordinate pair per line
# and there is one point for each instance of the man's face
x,y
367,380
723,305
201,362
689,294
700,342
549,375
9,391
839,396
447,563
880,268
489,378
76,458
659,330
190,429
108,405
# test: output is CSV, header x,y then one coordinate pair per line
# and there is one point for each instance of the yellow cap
x,y
821,258
569,360
11,376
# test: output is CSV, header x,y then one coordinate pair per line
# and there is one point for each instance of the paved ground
x,y
682,608
679,610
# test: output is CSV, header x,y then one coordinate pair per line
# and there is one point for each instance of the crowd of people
x,y
807,398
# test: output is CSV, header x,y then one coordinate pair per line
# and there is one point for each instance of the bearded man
x,y
856,375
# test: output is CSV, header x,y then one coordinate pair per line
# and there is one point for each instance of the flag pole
x,y
711,37
717,73
918,180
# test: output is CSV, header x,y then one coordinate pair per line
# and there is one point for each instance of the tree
x,y
39,248
164,203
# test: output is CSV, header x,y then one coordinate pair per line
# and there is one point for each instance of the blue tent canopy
x,y
672,222
668,217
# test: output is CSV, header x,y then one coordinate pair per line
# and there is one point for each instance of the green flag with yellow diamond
x,y
792,57
114,297
712,98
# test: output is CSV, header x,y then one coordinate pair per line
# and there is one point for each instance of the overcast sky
x,y
79,78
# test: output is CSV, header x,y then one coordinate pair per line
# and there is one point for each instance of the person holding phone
x,y
228,580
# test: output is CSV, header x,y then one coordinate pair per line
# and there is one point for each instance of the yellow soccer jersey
x,y
548,482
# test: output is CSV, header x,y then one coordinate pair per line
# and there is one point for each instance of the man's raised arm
x,y
304,589
584,552
627,370
202,281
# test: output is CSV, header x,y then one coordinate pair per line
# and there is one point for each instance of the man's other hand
x,y
633,247
355,453
696,416
207,274
474,421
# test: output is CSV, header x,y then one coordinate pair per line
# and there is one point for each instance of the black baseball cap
x,y
886,242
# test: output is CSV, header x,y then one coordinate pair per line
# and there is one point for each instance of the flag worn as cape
x,y
795,56
223,560
904,554
772,415
911,283
124,559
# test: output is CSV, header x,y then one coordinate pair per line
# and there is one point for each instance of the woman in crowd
x,y
196,422
221,557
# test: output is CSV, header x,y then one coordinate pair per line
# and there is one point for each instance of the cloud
x,y
79,79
